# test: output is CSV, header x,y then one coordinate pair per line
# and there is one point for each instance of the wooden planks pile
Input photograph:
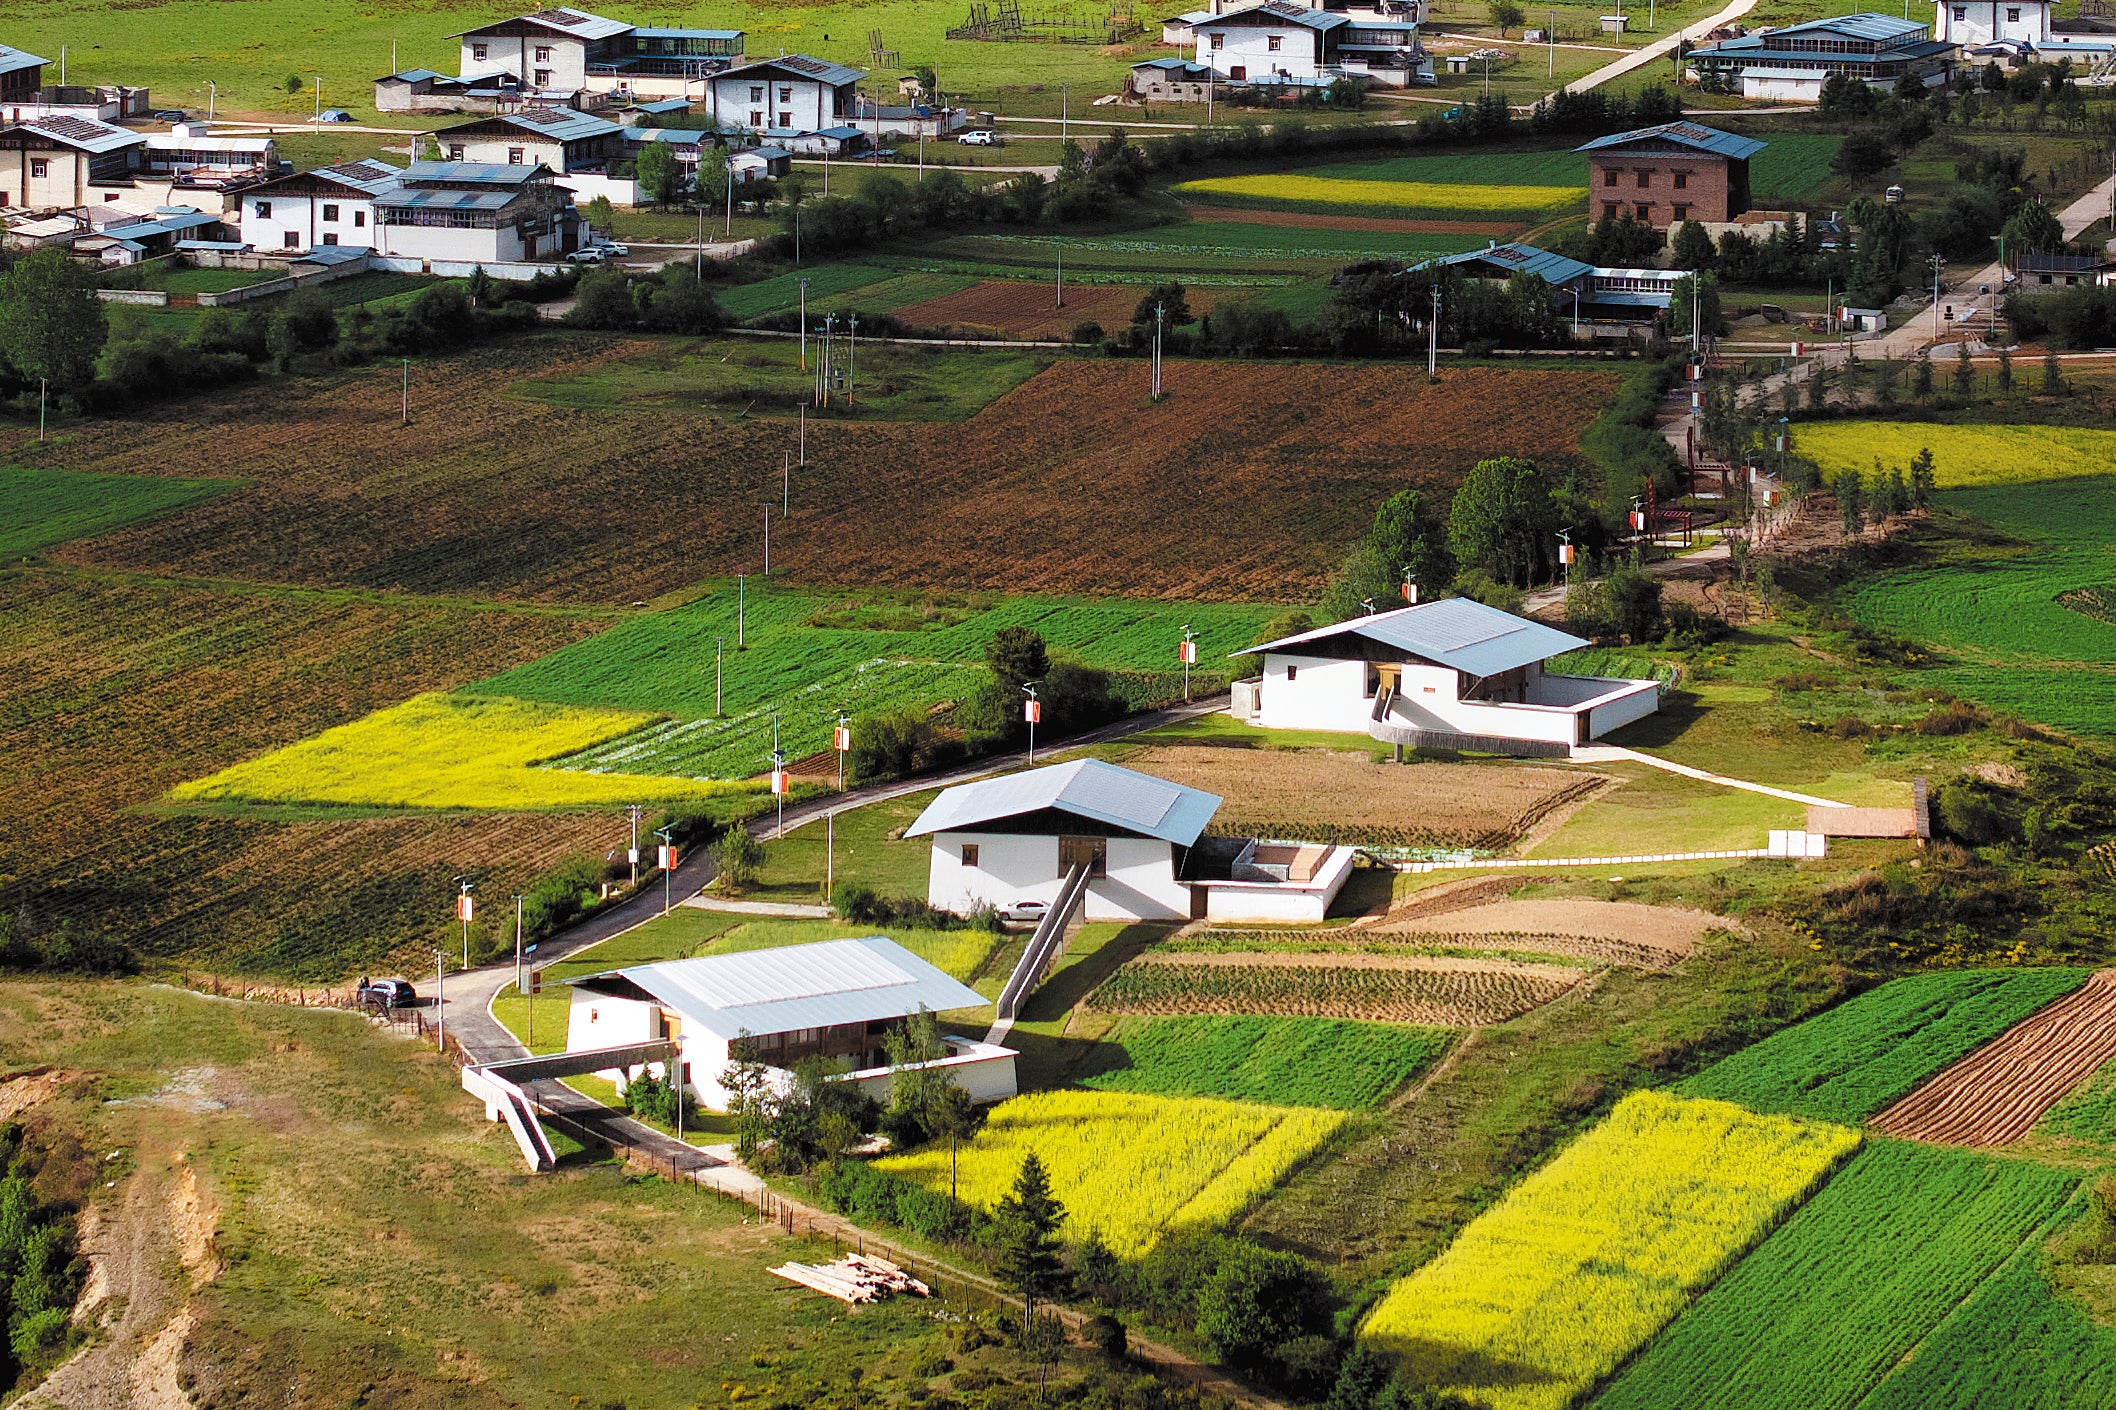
x,y
854,1278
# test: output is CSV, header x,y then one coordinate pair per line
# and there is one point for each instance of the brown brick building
x,y
1669,174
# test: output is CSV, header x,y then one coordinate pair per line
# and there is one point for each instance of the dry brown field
x,y
1248,481
1022,310
1441,990
1329,795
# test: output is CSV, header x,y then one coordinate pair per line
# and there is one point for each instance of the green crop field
x,y
2015,1343
39,508
2007,630
1793,168
800,666
1848,1063
1233,242
2088,1112
783,291
1818,1315
1295,1061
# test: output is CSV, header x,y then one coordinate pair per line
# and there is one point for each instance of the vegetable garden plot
x,y
1848,1063
1032,311
2089,1113
1290,1061
1549,1290
1440,991
1995,1094
1130,1169
1340,796
1821,1312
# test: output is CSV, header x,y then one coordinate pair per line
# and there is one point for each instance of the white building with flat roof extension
x,y
835,1000
1451,674
792,94
332,205
1970,23
466,212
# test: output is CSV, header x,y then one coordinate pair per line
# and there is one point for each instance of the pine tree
x,y
1026,1224
2053,376
1964,374
2005,371
1921,478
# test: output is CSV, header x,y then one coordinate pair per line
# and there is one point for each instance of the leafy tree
x,y
818,1119
1863,155
1922,478
1175,308
1634,603
915,1086
1408,542
2005,371
956,1117
603,299
1017,656
1502,520
1257,1300
747,1082
2033,228
738,856
2053,375
1693,246
660,176
51,323
479,287
1921,375
1964,372
293,83
1025,1229
1506,15
599,212
1710,321
679,302
430,151
1851,501
891,743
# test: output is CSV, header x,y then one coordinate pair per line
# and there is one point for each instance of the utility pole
x,y
1432,351
407,391
1061,273
465,908
700,268
43,393
1550,43
1565,555
1032,712
804,323
785,483
841,737
779,781
1938,263
830,853
852,359
767,540
729,229
1189,652
440,1001
804,410
717,644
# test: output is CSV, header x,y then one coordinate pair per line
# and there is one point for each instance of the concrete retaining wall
x,y
156,297
460,269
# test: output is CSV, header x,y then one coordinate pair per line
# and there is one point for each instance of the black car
x,y
386,993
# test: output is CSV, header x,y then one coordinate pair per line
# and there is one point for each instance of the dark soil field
x,y
1247,482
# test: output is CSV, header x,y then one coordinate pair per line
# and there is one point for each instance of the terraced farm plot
x,y
1022,310
2088,1113
452,751
1583,1261
1962,456
800,667
1130,1169
1341,796
2016,1342
39,508
1995,1094
2022,634
1067,484
1848,1063
1793,168
112,692
1620,932
1818,1315
1436,990
782,292
1289,1061
1459,200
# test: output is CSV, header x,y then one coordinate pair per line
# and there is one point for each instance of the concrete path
x,y
757,908
1612,754
1661,48
2087,209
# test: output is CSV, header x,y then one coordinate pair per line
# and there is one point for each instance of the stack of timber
x,y
854,1278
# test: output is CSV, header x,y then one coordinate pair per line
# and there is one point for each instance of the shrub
x,y
1107,1335
1259,1300
738,856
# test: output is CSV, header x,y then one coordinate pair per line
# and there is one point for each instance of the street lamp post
x,y
465,908
804,323
1032,711
667,859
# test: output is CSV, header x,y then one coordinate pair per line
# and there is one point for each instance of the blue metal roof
x,y
450,200
822,985
12,60
1086,788
656,32
1459,632
1865,25
1683,134
474,173
1281,12
1551,267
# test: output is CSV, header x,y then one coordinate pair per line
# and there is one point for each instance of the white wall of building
x,y
782,101
501,245
1313,692
514,149
1141,884
308,220
1971,22
984,1070
587,185
1276,903
540,61
1248,48
1010,867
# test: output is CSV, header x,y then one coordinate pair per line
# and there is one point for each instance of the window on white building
x,y
1961,12
1219,41
359,219
2013,15
39,167
543,78
1274,43
514,156
264,210
756,92
330,238
477,51
786,119
290,240
543,53
785,93
330,213
756,119
969,854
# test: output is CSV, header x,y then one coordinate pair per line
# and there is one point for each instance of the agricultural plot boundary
x,y
1996,1094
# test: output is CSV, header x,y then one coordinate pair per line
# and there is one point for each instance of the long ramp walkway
x,y
501,1086
1043,950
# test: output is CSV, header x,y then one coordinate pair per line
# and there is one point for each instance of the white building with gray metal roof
x,y
835,1000
1451,674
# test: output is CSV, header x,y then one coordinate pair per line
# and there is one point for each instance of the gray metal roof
x,y
1552,268
801,986
646,31
474,173
798,66
423,198
1459,632
84,133
1277,12
412,75
1087,788
578,23
1683,134
558,124
12,60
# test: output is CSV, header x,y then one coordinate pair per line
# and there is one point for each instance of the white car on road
x,y
979,137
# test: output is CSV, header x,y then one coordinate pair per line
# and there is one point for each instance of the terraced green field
x,y
43,507
2004,630
1848,1063
808,655
1292,1061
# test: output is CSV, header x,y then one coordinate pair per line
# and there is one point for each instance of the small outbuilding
x,y
835,1000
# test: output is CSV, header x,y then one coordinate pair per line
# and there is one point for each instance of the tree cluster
x,y
670,300
41,1268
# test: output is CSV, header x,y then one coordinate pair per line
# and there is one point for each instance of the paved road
x,y
469,993
1661,48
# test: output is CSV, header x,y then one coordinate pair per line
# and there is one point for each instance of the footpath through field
x,y
1660,48
1613,754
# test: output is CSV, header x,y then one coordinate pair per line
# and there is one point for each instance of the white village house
x,y
1003,841
792,94
1452,674
835,999
468,213
333,205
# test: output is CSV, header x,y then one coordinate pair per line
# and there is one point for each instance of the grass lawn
x,y
864,849
190,283
39,508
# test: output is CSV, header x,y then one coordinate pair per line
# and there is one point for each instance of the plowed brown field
x,y
1249,481
1995,1094
111,692
1031,310
1449,992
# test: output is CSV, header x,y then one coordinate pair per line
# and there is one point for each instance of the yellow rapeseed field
x,y
1425,195
1131,1168
450,751
1961,455
1553,1287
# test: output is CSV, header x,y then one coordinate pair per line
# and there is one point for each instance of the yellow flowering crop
x,y
1131,1168
1425,195
1961,455
449,751
1549,1290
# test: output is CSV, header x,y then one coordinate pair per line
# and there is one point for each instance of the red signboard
x,y
843,739
666,857
780,781
464,907
1032,711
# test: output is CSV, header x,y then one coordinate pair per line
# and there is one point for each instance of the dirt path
x,y
1668,928
1997,1093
